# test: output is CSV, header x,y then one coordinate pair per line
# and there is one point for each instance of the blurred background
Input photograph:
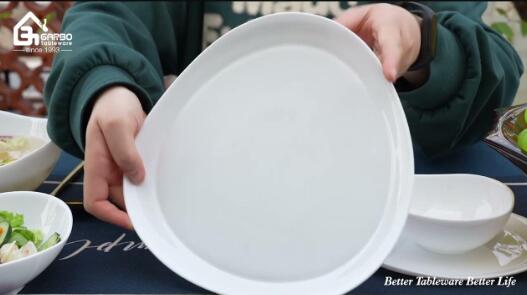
x,y
23,75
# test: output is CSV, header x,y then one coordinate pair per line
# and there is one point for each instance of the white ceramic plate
x,y
503,256
279,162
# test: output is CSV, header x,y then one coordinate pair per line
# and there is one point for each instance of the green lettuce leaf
x,y
14,219
38,236
26,233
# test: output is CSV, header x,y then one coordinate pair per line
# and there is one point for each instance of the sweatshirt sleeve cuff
x,y
89,87
447,70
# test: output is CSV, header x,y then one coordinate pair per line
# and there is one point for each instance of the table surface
x,y
102,259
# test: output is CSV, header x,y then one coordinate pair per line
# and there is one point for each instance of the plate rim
x,y
489,275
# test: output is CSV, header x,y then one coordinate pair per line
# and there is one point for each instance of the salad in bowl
x,y
17,241
34,228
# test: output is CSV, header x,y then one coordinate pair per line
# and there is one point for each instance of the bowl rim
x,y
509,195
64,237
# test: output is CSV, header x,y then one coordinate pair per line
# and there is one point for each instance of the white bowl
x,y
456,213
41,211
31,170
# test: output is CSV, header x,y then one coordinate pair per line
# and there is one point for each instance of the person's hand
x,y
392,32
110,153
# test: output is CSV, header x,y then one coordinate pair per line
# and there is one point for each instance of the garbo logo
x,y
23,35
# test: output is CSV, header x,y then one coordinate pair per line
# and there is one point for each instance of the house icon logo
x,y
23,34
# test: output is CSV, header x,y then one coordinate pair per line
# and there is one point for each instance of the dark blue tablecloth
x,y
101,258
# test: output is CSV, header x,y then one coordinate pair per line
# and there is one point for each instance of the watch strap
x,y
428,26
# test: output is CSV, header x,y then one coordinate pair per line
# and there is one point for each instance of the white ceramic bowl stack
x,y
461,226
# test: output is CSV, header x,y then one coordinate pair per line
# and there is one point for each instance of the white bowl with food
x,y
33,230
27,155
456,213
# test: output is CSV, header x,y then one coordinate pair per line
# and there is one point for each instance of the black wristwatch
x,y
428,32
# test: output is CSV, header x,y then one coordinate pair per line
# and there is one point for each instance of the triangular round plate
x,y
278,162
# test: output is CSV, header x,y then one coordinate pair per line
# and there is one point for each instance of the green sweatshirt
x,y
137,44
